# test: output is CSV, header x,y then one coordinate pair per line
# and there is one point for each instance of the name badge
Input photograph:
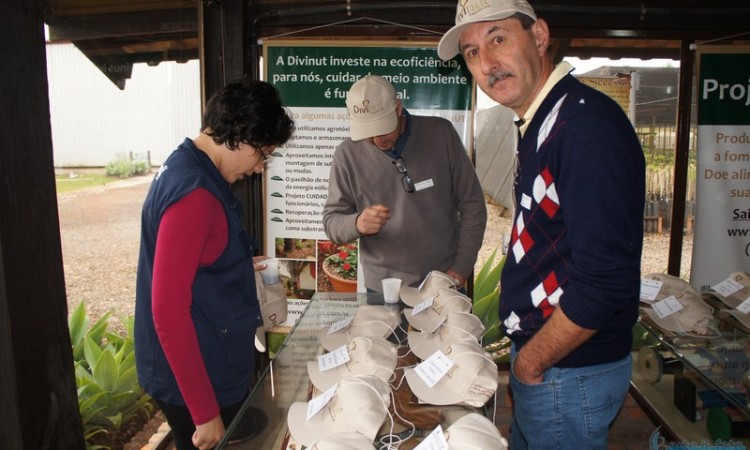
x,y
422,185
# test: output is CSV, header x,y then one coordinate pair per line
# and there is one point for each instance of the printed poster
x,y
313,78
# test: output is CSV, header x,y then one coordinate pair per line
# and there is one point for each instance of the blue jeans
x,y
571,409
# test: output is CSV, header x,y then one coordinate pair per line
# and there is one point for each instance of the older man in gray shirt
x,y
405,186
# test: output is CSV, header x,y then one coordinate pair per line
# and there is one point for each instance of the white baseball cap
x,y
695,314
738,297
474,431
458,326
371,103
343,441
472,380
360,404
670,285
367,356
734,300
273,308
368,320
443,302
432,283
473,11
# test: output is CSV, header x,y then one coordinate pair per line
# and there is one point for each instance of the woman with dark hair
x,y
196,307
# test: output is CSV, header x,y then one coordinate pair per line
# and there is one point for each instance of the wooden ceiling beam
x,y
93,7
105,26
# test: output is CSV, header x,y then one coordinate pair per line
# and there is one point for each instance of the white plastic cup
x,y
392,290
270,274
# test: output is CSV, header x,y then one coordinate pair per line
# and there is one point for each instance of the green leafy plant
x,y
486,304
79,329
108,391
343,262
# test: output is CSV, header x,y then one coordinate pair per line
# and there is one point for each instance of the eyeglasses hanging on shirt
x,y
406,180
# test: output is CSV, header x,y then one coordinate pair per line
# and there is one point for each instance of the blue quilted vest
x,y
225,309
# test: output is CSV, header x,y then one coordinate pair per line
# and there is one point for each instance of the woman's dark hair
x,y
248,112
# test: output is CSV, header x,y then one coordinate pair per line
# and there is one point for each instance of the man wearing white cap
x,y
429,215
571,281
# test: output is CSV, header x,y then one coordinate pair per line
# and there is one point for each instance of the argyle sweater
x,y
578,227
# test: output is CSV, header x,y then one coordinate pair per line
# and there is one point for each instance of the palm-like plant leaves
x,y
487,297
108,391
77,325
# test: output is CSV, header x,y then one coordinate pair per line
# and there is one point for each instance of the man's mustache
x,y
495,77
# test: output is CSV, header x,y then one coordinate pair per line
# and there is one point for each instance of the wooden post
x,y
38,398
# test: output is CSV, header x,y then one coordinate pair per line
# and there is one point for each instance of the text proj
x,y
724,91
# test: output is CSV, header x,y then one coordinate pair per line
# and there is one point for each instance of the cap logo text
x,y
469,8
366,108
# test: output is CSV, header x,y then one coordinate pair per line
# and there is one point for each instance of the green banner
x,y
320,76
724,89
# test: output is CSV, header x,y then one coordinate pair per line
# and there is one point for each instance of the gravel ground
x,y
100,233
99,228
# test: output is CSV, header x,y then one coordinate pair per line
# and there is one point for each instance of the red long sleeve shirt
x,y
192,234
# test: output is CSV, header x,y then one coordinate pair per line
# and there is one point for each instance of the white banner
x,y
721,244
